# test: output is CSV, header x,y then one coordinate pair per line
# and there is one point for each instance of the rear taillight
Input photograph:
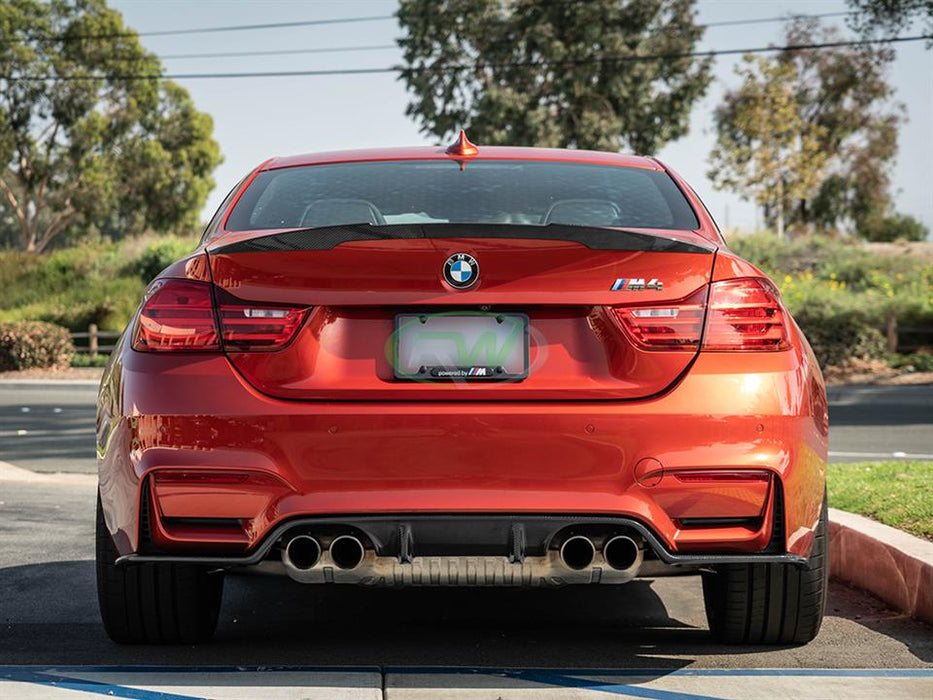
x,y
252,327
741,314
181,316
669,326
177,316
745,314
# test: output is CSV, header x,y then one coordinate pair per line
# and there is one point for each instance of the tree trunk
x,y
891,331
780,210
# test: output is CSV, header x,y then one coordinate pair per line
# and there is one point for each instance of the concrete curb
x,y
10,472
49,383
895,566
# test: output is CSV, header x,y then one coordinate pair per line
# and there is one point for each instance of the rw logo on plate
x,y
461,270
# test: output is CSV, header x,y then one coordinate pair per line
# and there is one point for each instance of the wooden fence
x,y
89,342
908,339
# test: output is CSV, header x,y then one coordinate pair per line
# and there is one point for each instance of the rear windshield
x,y
484,191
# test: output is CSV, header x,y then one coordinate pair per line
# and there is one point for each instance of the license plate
x,y
461,346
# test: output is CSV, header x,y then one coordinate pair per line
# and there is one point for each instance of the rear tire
x,y
154,603
769,603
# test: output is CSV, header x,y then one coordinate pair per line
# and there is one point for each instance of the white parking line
x,y
28,684
413,683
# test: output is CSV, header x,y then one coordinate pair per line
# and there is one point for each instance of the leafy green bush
x,y
780,257
918,362
110,304
842,322
160,254
84,360
899,227
842,293
838,337
94,283
73,287
30,344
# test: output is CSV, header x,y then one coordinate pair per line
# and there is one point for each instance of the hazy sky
x,y
260,117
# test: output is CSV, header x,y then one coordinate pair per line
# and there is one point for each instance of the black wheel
x,y
154,603
769,603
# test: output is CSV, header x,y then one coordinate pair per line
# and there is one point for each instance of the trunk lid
x,y
564,279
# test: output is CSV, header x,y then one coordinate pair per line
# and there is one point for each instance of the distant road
x,y
48,427
869,423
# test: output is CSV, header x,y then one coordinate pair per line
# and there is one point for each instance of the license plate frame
x,y
471,365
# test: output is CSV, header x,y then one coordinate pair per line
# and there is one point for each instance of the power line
x,y
347,49
284,52
769,20
270,25
467,66
344,20
207,30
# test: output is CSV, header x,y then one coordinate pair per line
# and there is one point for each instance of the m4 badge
x,y
636,284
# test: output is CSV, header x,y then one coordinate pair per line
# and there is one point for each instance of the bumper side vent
x,y
145,520
777,543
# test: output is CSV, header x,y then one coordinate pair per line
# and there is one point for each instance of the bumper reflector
x,y
698,477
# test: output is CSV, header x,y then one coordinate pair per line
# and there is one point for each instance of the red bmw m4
x,y
467,366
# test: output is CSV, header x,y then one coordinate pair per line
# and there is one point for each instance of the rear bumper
x,y
512,537
282,461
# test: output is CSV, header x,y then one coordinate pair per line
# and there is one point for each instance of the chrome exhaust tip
x,y
577,552
347,552
622,553
302,552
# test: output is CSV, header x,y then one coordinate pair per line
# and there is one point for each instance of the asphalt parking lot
x,y
279,639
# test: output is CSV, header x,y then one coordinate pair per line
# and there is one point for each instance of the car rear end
x,y
517,367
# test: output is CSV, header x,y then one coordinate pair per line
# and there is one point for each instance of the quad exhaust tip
x,y
621,552
302,552
577,552
347,552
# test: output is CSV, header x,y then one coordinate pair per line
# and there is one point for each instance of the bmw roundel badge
x,y
461,270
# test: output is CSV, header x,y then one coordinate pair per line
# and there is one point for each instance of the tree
x,y
118,150
765,149
872,18
842,100
845,91
553,73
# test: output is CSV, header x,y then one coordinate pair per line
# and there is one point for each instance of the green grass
x,y
899,494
